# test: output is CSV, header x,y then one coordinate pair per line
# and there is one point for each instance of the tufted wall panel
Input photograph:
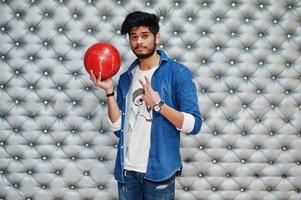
x,y
245,58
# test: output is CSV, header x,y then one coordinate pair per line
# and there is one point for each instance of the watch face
x,y
157,108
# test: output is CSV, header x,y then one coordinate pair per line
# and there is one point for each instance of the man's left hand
x,y
151,97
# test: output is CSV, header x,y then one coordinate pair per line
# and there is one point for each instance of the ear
x,y
157,38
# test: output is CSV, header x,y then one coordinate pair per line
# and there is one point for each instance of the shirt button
x,y
121,147
123,113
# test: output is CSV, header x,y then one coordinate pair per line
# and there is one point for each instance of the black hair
x,y
138,18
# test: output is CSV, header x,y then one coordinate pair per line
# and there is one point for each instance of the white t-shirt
x,y
140,121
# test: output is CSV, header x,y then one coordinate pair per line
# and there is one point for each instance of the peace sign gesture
x,y
151,97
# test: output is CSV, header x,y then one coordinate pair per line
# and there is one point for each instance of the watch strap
x,y
110,94
161,103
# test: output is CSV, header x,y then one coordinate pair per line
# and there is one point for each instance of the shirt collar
x,y
163,57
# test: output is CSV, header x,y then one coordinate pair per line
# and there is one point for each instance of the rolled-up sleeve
x,y
188,123
116,126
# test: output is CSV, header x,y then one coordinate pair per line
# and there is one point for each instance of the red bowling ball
x,y
102,57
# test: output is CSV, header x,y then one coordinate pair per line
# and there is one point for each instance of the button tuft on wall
x,y
43,186
44,158
233,4
3,28
16,130
73,158
72,187
16,185
3,57
31,144
176,3
206,3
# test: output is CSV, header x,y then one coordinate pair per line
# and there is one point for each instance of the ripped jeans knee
x,y
163,190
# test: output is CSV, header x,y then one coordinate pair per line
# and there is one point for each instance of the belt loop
x,y
124,172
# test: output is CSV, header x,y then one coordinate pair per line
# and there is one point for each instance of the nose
x,y
139,40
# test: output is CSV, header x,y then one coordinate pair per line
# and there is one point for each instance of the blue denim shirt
x,y
174,83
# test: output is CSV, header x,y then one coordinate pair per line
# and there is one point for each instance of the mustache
x,y
139,46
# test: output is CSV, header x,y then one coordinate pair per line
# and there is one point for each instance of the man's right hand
x,y
107,85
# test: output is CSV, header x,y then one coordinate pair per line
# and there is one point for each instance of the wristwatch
x,y
157,107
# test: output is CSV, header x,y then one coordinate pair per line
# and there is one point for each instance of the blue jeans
x,y
136,187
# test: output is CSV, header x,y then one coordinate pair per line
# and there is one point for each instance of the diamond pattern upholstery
x,y
245,57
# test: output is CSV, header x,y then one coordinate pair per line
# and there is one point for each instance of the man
x,y
156,100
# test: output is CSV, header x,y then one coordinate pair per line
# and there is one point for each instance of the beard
x,y
150,52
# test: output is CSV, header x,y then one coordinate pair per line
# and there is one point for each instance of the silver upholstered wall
x,y
245,58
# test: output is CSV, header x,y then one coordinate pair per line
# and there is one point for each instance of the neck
x,y
150,62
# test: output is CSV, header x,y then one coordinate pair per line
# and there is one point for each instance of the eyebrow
x,y
141,32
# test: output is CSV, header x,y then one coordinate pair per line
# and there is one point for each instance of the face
x,y
143,42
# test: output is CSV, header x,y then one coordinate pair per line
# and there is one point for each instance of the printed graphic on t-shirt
x,y
139,107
